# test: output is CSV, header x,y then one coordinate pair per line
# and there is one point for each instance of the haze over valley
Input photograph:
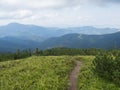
x,y
19,36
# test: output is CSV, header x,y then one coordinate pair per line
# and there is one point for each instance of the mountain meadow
x,y
51,69
59,44
43,58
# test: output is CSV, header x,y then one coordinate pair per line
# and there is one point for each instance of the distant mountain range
x,y
14,36
38,33
107,41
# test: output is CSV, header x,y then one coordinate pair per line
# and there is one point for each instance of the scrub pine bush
x,y
116,72
107,66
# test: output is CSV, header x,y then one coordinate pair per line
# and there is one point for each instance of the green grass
x,y
36,73
89,80
50,73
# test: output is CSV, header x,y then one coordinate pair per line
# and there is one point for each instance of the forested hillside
x,y
107,41
19,36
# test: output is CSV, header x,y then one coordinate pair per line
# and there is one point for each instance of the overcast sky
x,y
61,13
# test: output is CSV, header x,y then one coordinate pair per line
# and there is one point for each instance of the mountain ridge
x,y
106,41
19,36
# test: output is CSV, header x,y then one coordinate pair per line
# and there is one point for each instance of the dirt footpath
x,y
74,76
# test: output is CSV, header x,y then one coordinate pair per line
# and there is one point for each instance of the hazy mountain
x,y
10,44
38,33
14,36
92,30
29,32
106,41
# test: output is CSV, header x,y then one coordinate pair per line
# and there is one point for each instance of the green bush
x,y
116,72
107,66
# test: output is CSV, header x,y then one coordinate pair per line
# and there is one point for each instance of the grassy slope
x,y
36,73
90,81
49,73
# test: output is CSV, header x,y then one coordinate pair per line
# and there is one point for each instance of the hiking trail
x,y
74,76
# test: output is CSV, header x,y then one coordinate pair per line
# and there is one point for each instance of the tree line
x,y
16,55
58,51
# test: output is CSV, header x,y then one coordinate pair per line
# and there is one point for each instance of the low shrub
x,y
107,66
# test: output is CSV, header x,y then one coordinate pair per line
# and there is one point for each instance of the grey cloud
x,y
16,14
49,4
115,1
104,1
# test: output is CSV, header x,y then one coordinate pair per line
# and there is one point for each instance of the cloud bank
x,y
42,4
59,12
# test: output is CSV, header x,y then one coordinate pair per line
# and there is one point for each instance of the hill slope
x,y
106,41
11,44
14,36
38,33
36,73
